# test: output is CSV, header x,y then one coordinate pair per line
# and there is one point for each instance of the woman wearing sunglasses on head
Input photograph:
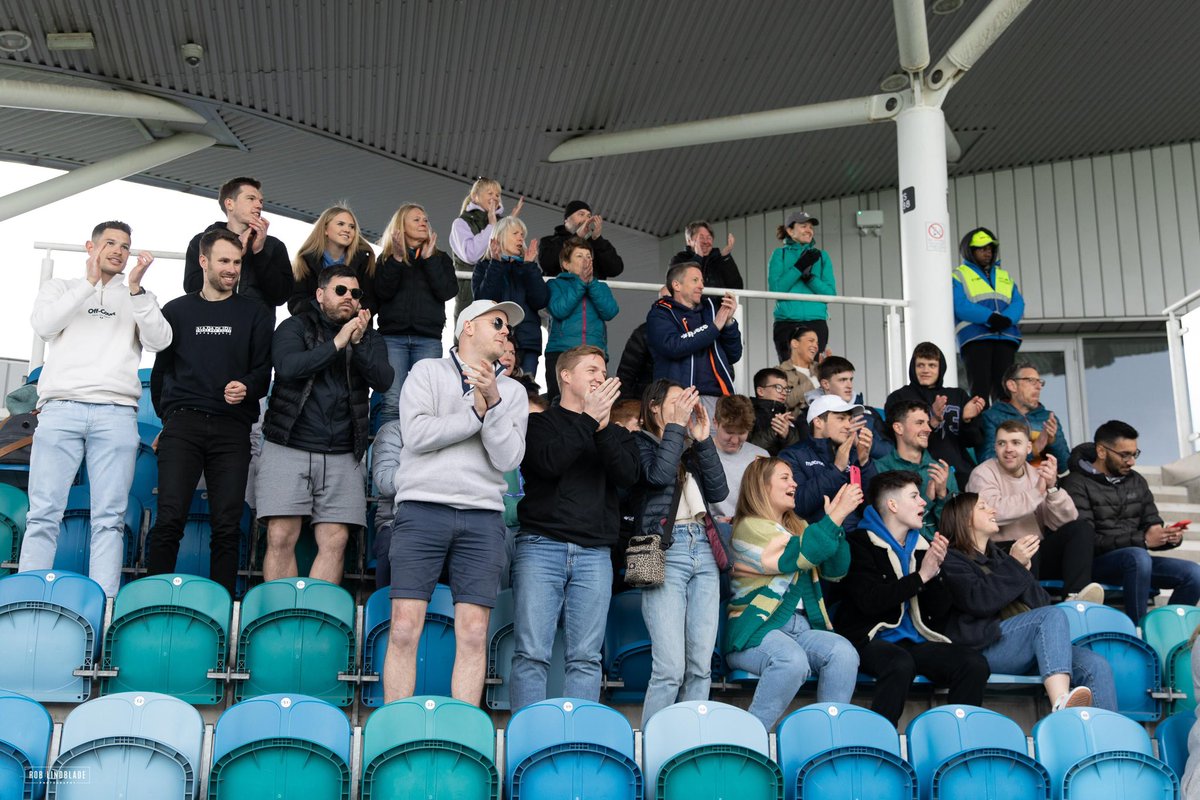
x,y
335,240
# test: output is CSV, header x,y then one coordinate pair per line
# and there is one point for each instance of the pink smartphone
x,y
856,476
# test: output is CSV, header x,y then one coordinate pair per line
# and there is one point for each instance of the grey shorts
x,y
296,483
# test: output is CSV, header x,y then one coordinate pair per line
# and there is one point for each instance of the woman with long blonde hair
x,y
335,240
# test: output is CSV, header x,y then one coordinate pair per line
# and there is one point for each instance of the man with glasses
x,y
1023,401
325,358
1119,504
774,426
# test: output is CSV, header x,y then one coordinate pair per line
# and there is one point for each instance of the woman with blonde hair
x,y
471,233
414,282
335,240
510,272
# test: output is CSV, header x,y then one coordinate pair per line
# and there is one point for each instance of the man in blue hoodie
x,y
987,309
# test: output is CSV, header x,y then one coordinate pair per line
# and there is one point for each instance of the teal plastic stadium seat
x,y
14,505
297,637
429,747
1172,737
25,730
1168,629
133,744
167,632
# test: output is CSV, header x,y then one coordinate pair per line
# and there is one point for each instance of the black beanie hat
x,y
575,205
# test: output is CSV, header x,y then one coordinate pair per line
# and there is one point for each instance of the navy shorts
x,y
426,536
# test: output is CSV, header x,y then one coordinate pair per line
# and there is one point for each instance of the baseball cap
x,y
799,216
481,307
830,402
982,239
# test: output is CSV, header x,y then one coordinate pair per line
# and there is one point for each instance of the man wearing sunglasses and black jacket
x,y
316,426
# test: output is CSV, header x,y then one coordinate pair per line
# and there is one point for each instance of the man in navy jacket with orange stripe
x,y
695,341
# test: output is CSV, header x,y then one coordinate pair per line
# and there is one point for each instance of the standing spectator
x,y
509,273
636,369
508,360
579,222
835,376
801,367
317,426
575,463
719,269
88,394
778,627
774,426
266,270
731,428
693,340
1119,504
464,427
579,305
909,421
206,388
335,240
955,417
1023,401
471,233
1028,501
412,285
681,473
385,460
987,310
799,267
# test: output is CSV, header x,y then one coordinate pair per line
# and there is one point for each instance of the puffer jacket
x,y
412,297
1120,512
578,312
783,276
517,281
660,476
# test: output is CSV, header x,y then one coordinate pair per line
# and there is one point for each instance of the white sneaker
x,y
1092,593
1079,696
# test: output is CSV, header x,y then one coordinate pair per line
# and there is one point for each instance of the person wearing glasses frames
x,y
1023,401
1118,502
316,428
774,426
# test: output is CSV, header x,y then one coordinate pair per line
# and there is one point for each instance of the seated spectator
x,y
693,340
821,463
987,309
799,267
800,368
580,222
472,233
385,459
1028,501
509,273
953,415
998,607
909,421
335,240
1023,400
579,305
731,427
1118,503
835,376
774,425
893,568
719,269
778,627
627,413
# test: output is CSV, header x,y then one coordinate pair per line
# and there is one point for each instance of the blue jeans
x,y
682,616
1041,639
553,579
784,660
1137,572
67,432
403,352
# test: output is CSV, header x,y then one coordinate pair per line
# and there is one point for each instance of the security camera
x,y
192,54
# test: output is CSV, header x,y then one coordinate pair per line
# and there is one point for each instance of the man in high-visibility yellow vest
x,y
987,309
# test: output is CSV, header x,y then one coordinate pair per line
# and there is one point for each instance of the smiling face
x,y
688,289
111,250
222,267
341,230
927,370
246,205
983,519
913,430
801,232
804,349
701,242
1012,450
781,489
585,376
833,425
488,196
671,396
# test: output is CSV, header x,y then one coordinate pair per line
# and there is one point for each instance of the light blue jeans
x,y
68,431
403,352
555,580
682,616
784,660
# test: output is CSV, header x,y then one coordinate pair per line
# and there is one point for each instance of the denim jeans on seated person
x,y
555,580
1138,572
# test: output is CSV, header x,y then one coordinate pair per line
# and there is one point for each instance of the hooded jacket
x,y
578,312
719,271
266,276
971,315
817,477
605,261
689,349
517,281
412,297
1119,510
950,440
784,276
1035,419
933,508
303,291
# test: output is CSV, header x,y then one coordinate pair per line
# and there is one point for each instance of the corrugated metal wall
x,y
1102,237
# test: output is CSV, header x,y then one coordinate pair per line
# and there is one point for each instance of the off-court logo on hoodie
x,y
102,312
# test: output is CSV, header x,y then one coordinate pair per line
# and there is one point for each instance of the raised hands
x,y
531,249
931,564
598,402
680,411
1047,474
939,476
144,259
701,426
1025,548
254,238
728,248
516,212
483,378
726,311
781,424
973,408
938,410
93,267
863,443
848,498
352,330
430,247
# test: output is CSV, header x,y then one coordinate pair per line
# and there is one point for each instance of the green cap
x,y
983,239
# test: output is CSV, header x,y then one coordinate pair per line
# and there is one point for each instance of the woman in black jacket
x,y
414,282
678,456
998,607
335,240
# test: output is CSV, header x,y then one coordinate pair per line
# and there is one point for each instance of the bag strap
x,y
668,522
27,441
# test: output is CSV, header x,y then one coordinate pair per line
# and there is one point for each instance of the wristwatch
x,y
1052,489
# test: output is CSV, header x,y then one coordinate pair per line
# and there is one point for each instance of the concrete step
x,y
1177,512
1170,494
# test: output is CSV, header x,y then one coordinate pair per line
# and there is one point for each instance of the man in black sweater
x,y
575,463
206,387
578,220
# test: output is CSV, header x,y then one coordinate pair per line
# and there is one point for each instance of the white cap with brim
x,y
830,402
481,307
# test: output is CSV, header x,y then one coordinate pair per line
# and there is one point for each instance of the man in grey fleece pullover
x,y
463,426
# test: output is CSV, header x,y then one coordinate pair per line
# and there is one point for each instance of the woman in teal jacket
x,y
579,305
800,267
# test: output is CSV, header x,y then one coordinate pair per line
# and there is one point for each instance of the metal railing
x,y
1185,395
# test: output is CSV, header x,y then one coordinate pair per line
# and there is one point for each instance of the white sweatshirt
x,y
96,335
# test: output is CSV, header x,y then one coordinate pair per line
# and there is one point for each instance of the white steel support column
x,y
93,175
926,243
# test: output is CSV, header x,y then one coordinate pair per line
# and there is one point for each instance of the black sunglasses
x,y
499,324
341,289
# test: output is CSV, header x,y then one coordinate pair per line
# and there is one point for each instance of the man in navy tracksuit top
x,y
694,340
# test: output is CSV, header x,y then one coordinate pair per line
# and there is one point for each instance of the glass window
x,y
1052,366
1130,380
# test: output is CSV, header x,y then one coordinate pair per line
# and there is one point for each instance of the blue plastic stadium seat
x,y
50,625
837,749
194,553
1172,737
1135,666
969,752
502,642
25,730
429,747
14,506
1093,754
146,414
708,750
435,652
1168,629
570,749
133,744
74,550
281,746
